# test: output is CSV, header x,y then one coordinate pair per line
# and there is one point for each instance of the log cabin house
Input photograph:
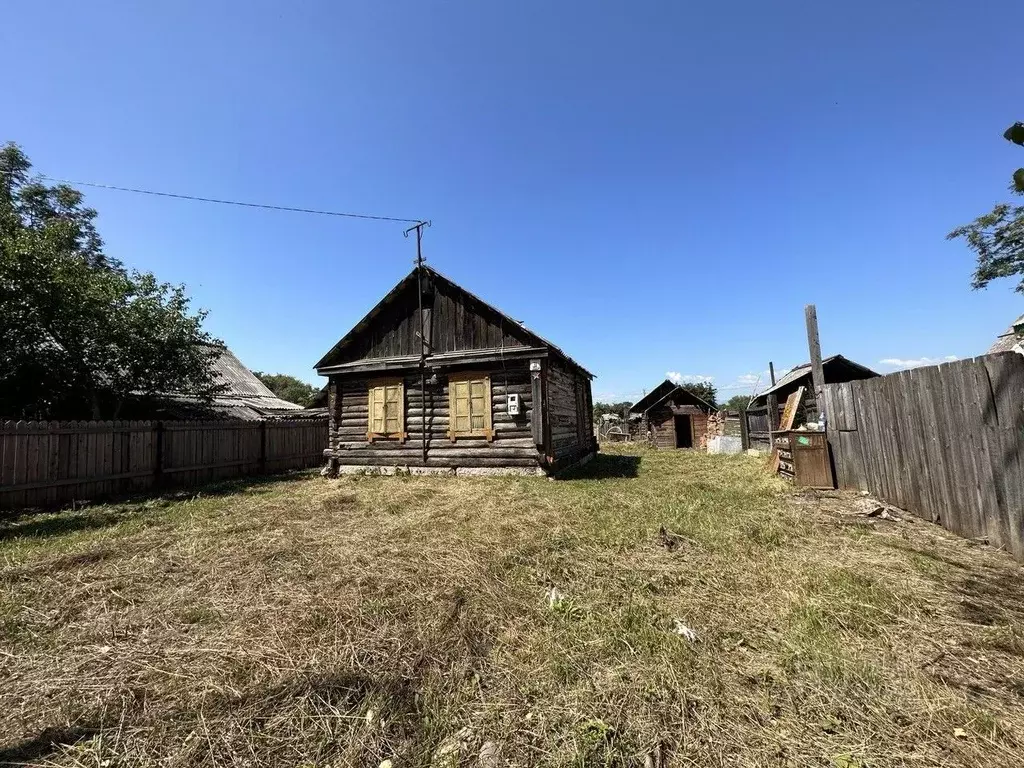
x,y
672,417
434,379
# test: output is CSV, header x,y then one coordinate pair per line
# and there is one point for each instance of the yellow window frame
x,y
470,406
386,410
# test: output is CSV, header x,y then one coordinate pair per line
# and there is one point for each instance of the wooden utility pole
x,y
772,401
418,229
814,344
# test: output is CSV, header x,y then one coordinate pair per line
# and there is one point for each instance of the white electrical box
x,y
513,405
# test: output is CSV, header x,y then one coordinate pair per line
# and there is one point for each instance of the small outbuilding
x,y
672,417
436,379
837,370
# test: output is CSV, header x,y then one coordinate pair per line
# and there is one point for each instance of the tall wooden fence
x,y
944,442
44,463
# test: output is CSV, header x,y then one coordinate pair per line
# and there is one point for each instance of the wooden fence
x,y
755,431
944,442
46,463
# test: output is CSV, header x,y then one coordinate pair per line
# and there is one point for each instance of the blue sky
x,y
655,186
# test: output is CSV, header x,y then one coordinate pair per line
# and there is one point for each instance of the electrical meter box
x,y
513,405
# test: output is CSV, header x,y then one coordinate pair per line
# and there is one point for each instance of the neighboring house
x,y
672,417
245,398
1012,340
652,397
837,369
476,390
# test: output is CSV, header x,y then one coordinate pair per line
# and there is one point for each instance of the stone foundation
x,y
365,469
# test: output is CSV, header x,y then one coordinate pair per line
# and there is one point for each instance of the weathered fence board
x,y
944,442
757,428
49,463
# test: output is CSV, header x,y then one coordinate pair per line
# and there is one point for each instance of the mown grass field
x,y
312,622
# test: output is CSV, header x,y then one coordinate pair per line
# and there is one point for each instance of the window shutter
x,y
460,406
393,409
469,398
375,424
386,407
477,407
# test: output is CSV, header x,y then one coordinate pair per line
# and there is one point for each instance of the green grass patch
x,y
414,619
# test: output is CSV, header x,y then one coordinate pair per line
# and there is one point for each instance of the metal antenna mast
x,y
418,228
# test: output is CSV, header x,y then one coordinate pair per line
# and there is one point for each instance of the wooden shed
x,y
837,369
436,379
672,417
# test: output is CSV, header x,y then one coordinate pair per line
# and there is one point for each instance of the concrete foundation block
x,y
498,471
433,471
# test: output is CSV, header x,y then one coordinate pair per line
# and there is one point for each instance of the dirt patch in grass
x,y
416,619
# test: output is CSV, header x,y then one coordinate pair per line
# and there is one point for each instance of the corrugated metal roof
x,y
804,369
240,380
243,408
246,397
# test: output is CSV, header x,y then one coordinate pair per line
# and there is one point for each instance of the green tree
x,y
81,334
289,388
997,237
705,390
619,409
736,403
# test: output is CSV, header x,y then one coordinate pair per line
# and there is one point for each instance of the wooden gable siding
x,y
393,333
427,414
456,323
461,324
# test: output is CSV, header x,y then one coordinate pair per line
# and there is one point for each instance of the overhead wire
x,y
197,198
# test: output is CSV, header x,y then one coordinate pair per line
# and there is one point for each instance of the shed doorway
x,y
684,432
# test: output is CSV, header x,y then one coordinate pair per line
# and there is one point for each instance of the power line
x,y
197,198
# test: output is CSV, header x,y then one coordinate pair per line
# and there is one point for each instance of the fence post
x,y
158,468
744,430
263,447
814,345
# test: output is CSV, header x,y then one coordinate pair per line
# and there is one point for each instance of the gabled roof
x,y
653,396
409,280
244,397
1009,340
804,369
678,389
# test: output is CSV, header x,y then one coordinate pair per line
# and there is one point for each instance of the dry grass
x,y
307,622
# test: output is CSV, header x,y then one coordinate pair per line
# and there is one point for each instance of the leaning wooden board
x,y
788,416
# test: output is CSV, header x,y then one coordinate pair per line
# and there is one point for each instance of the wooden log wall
x,y
567,410
699,425
426,416
944,442
662,425
52,463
